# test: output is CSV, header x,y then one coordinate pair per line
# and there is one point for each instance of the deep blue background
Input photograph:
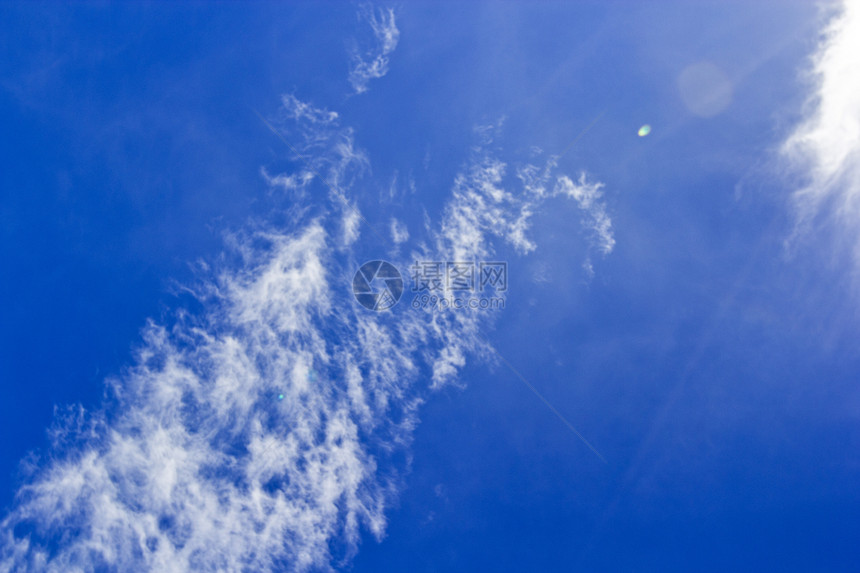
x,y
716,374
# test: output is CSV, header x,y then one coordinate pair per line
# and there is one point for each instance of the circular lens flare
x,y
644,130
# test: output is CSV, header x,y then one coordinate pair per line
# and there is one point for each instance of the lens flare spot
x,y
705,89
644,130
280,396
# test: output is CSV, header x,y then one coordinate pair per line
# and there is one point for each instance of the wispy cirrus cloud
x,y
372,63
264,432
399,232
825,146
594,218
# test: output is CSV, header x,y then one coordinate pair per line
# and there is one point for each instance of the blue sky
x,y
187,190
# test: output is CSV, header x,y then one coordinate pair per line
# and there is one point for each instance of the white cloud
x,y
589,198
294,182
486,205
262,434
351,225
299,111
199,466
373,63
825,146
399,232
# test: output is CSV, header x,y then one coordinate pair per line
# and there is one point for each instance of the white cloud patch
x,y
399,232
825,146
595,219
263,434
299,111
372,63
351,228
292,183
588,195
